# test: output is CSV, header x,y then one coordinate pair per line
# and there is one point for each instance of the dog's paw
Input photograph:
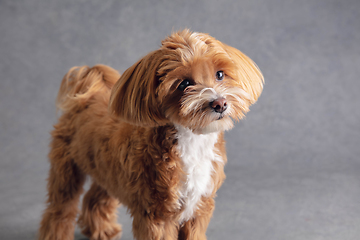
x,y
112,231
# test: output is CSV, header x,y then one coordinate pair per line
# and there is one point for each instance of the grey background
x,y
294,167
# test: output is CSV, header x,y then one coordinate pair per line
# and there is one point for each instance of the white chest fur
x,y
197,154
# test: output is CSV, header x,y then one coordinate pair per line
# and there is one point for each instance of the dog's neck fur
x,y
197,154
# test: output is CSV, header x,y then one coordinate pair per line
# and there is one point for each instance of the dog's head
x,y
193,80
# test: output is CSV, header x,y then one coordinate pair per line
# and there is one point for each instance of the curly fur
x,y
145,144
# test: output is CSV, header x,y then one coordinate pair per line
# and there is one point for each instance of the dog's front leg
x,y
195,228
148,227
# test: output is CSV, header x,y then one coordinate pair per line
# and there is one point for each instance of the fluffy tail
x,y
81,84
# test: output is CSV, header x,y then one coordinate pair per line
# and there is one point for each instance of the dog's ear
x,y
133,97
249,76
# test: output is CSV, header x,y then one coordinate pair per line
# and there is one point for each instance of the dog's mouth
x,y
221,116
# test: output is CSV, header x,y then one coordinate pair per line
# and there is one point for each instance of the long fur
x,y
145,144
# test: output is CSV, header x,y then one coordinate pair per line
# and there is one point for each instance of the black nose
x,y
219,105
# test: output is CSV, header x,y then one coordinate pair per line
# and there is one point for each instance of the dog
x,y
151,139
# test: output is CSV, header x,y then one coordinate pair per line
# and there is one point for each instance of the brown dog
x,y
151,139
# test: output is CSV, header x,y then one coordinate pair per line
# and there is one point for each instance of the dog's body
x,y
159,150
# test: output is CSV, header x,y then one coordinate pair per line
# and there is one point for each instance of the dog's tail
x,y
81,84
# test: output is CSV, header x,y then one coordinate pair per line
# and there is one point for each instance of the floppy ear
x,y
249,76
133,97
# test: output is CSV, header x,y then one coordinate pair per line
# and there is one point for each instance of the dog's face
x,y
193,80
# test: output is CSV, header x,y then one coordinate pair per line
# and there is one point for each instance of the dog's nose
x,y
219,105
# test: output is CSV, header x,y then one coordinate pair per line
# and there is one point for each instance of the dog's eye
x,y
184,84
219,75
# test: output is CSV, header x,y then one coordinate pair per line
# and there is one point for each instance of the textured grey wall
x,y
294,167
